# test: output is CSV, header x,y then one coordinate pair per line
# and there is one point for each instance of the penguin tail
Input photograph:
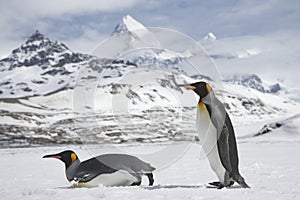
x,y
240,180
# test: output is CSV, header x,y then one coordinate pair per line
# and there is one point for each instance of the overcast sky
x,y
76,22
83,24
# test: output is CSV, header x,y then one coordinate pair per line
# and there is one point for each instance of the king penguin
x,y
106,169
217,136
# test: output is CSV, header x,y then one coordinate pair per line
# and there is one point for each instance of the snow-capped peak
x,y
39,66
128,24
210,37
37,43
42,51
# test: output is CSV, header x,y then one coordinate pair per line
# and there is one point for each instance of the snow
x,y
132,24
247,53
267,162
266,106
271,58
143,105
129,25
27,176
281,130
59,100
166,54
210,37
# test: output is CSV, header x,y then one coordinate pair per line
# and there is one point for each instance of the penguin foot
x,y
151,179
219,185
136,183
215,183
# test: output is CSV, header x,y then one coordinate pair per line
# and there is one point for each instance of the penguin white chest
x,y
206,130
208,139
118,178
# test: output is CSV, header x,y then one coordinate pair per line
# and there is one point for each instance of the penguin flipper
x,y
84,176
223,148
218,119
90,169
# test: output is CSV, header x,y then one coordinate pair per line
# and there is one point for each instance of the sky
x,y
83,24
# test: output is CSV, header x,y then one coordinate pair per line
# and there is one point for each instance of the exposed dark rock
x,y
268,128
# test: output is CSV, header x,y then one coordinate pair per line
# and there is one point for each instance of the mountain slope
x,y
128,24
137,35
253,81
290,126
38,67
119,100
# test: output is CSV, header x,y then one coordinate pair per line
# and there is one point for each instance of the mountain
x,y
280,129
137,35
38,67
210,37
42,66
39,83
232,49
128,24
50,94
241,59
253,81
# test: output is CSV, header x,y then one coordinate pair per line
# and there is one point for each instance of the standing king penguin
x,y
217,136
107,169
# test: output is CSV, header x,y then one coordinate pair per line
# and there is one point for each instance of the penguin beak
x,y
57,156
187,86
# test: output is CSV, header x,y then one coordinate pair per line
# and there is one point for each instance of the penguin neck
x,y
200,103
208,99
71,169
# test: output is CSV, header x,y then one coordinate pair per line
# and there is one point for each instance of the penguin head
x,y
68,157
200,88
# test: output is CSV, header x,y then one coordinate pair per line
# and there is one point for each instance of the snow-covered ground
x,y
271,168
154,113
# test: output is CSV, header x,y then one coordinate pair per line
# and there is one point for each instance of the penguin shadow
x,y
158,187
230,188
65,188
234,187
155,187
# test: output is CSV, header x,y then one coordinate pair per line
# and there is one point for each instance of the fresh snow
x,y
154,113
210,37
26,175
247,53
132,24
273,59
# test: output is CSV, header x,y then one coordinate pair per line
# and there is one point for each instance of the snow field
x,y
270,168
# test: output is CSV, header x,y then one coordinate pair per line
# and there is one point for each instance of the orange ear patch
x,y
73,157
208,88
